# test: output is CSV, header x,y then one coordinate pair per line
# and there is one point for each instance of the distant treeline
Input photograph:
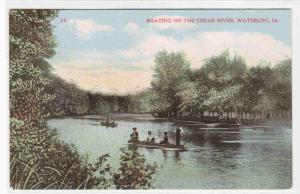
x,y
70,100
223,88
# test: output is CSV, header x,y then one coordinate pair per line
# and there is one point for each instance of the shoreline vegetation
x,y
38,160
285,121
225,88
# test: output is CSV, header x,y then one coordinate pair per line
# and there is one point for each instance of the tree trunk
x,y
237,118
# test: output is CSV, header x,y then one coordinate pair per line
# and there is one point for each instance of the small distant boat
x,y
103,123
166,147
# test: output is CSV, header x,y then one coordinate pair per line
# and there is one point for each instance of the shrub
x,y
133,172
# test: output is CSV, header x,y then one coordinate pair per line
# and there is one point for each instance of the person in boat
x,y
134,135
166,139
150,138
112,121
178,131
107,120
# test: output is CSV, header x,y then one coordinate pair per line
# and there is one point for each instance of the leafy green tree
x,y
281,85
256,83
131,103
224,75
192,96
68,99
31,40
37,159
103,107
170,70
223,84
153,102
269,89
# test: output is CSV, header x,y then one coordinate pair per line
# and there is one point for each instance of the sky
x,y
113,51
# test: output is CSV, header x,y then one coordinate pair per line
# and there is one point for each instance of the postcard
x,y
176,99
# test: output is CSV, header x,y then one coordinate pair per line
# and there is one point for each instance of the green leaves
x,y
170,70
133,172
38,159
223,83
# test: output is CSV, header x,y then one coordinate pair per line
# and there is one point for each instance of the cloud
x,y
86,28
132,27
253,46
99,72
109,80
150,45
164,22
82,63
130,70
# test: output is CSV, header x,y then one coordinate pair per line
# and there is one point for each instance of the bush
x,y
133,172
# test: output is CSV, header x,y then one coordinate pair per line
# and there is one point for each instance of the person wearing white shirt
x,y
150,138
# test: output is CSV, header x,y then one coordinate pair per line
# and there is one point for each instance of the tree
x,y
102,107
224,75
256,83
37,159
30,41
281,85
170,70
67,99
192,96
154,103
269,89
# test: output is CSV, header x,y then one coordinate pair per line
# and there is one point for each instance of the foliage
x,y
37,159
132,103
170,70
68,98
281,85
31,40
102,107
223,84
61,167
192,96
133,172
154,103
224,76
256,83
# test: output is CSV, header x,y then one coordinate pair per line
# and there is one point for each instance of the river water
x,y
219,157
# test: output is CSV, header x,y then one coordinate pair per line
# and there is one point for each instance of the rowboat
x,y
165,147
109,124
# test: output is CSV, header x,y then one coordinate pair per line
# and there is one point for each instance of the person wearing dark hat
x,y
166,139
134,135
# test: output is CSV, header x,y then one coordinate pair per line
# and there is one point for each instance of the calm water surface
x,y
219,157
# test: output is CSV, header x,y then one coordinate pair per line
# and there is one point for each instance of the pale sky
x,y
112,51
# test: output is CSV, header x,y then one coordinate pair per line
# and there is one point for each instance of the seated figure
x,y
166,139
134,136
150,138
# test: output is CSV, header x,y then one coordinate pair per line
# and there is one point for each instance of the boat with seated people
x,y
166,147
103,123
